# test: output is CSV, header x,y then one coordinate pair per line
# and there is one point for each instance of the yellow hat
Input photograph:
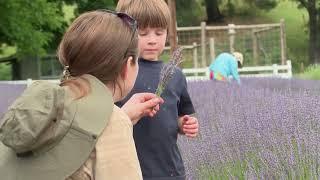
x,y
238,56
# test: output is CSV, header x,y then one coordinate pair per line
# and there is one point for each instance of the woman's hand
x,y
142,104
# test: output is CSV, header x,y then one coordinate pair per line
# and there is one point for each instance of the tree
x,y
189,12
30,26
213,11
313,8
85,5
215,8
36,26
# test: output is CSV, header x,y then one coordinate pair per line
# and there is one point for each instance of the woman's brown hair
x,y
98,43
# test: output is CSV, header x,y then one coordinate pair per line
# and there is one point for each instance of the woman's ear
x,y
125,68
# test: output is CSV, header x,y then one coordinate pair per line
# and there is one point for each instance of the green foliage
x,y
266,4
313,9
5,72
252,164
189,12
312,72
5,69
69,12
296,31
30,25
246,7
87,5
230,170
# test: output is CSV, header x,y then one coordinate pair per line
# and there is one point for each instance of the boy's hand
x,y
189,125
142,104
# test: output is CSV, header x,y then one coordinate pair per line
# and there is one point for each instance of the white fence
x,y
261,42
28,81
283,71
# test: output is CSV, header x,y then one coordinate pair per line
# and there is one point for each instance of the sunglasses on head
x,y
130,21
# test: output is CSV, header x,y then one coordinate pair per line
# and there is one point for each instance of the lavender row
x,y
280,84
263,129
254,132
8,93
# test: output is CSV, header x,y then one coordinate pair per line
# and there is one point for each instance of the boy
x,y
156,138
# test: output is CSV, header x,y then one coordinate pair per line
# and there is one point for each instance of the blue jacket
x,y
227,65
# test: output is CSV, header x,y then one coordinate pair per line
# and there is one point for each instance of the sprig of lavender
x,y
167,70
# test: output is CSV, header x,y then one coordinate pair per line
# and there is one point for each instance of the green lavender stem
x,y
168,70
159,90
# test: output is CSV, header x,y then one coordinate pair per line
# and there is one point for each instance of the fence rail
x,y
255,71
261,44
28,81
203,73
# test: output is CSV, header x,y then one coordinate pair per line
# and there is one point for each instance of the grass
x,y
5,68
255,165
312,72
296,31
7,51
296,28
5,71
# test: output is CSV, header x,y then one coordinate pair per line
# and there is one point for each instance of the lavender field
x,y
263,129
8,93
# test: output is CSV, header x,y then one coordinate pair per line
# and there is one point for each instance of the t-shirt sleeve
x,y
185,106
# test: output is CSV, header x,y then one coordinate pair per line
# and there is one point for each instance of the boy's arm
x,y
186,111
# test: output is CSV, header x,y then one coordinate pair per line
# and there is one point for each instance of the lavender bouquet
x,y
167,70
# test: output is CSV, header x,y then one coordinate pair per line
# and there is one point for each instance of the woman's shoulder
x,y
120,117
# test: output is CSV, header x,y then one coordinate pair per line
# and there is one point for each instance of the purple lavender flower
x,y
264,129
168,70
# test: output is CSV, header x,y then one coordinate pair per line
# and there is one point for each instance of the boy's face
x,y
151,42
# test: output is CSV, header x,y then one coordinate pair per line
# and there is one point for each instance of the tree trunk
x,y
172,26
317,59
213,12
312,11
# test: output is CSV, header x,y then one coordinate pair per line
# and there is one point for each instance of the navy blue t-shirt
x,y
156,138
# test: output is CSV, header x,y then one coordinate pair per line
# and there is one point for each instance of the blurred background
x,y
267,128
266,31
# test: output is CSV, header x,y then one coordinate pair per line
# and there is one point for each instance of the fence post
x,y
195,56
283,41
255,47
231,33
172,27
203,44
289,68
212,50
207,73
275,69
29,82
